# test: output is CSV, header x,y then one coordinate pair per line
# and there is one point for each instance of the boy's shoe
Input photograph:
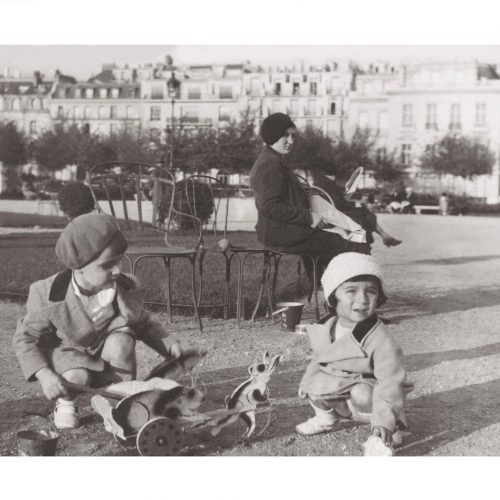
x,y
316,425
375,447
65,416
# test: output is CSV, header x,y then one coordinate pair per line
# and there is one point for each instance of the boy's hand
x,y
52,384
384,434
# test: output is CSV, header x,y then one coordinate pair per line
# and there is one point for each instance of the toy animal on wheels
x,y
154,414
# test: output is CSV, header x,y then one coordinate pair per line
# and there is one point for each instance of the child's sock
x,y
323,421
65,414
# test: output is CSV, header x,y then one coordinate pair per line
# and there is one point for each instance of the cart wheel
x,y
160,437
127,443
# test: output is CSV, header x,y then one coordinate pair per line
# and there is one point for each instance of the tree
x,y
458,155
313,152
13,152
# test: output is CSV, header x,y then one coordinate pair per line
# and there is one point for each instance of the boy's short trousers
x,y
64,357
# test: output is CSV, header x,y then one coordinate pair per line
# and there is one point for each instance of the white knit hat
x,y
346,266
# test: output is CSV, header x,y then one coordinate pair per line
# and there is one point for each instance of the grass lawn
x,y
12,219
27,257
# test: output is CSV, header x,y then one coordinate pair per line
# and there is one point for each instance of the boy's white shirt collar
x,y
101,299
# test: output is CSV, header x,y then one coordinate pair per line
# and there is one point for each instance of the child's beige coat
x,y
368,355
57,332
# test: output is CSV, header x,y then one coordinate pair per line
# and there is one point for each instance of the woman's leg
x,y
119,352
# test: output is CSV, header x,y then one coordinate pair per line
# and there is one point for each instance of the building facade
x,y
407,107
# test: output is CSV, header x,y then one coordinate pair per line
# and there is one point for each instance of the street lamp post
x,y
173,89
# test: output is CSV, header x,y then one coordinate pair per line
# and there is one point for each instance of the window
x,y
77,112
277,88
382,120
225,92
294,107
304,78
362,119
313,88
190,114
33,127
103,93
115,93
311,107
407,115
78,93
102,112
16,104
157,91
406,154
224,113
60,112
130,112
455,121
89,93
295,88
194,92
113,128
333,108
112,112
431,116
35,103
480,114
155,113
87,113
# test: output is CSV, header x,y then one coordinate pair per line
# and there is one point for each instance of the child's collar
x,y
360,330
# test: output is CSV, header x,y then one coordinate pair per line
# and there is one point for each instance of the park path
x,y
443,307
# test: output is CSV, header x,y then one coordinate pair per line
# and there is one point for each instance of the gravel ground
x,y
443,308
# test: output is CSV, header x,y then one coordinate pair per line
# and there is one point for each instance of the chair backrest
x,y
140,194
208,199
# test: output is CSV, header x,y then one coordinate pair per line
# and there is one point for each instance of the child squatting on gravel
x,y
81,325
352,353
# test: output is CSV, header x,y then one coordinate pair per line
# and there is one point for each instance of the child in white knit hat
x,y
353,355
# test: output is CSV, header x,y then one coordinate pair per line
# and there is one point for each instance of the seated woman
x,y
285,220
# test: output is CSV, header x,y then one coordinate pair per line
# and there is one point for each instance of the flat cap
x,y
85,237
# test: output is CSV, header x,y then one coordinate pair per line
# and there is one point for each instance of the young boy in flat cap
x,y
82,324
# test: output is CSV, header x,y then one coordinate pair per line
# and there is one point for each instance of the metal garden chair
x,y
215,239
155,212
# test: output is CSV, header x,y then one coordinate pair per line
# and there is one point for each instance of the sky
x,y
47,34
83,61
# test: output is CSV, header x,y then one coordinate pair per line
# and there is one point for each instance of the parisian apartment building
x,y
407,106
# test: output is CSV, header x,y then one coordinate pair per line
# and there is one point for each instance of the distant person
x,y
82,324
76,199
285,221
353,355
362,215
443,204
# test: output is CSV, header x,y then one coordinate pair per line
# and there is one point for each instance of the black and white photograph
x,y
216,248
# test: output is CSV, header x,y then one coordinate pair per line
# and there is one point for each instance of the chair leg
x,y
297,282
276,259
200,269
263,282
193,286
239,290
228,258
315,286
166,261
269,312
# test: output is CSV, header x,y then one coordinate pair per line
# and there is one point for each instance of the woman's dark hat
x,y
274,127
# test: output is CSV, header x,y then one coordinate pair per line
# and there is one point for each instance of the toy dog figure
x,y
246,396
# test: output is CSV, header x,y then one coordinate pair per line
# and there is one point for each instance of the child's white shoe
x,y
65,414
375,447
316,425
397,438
